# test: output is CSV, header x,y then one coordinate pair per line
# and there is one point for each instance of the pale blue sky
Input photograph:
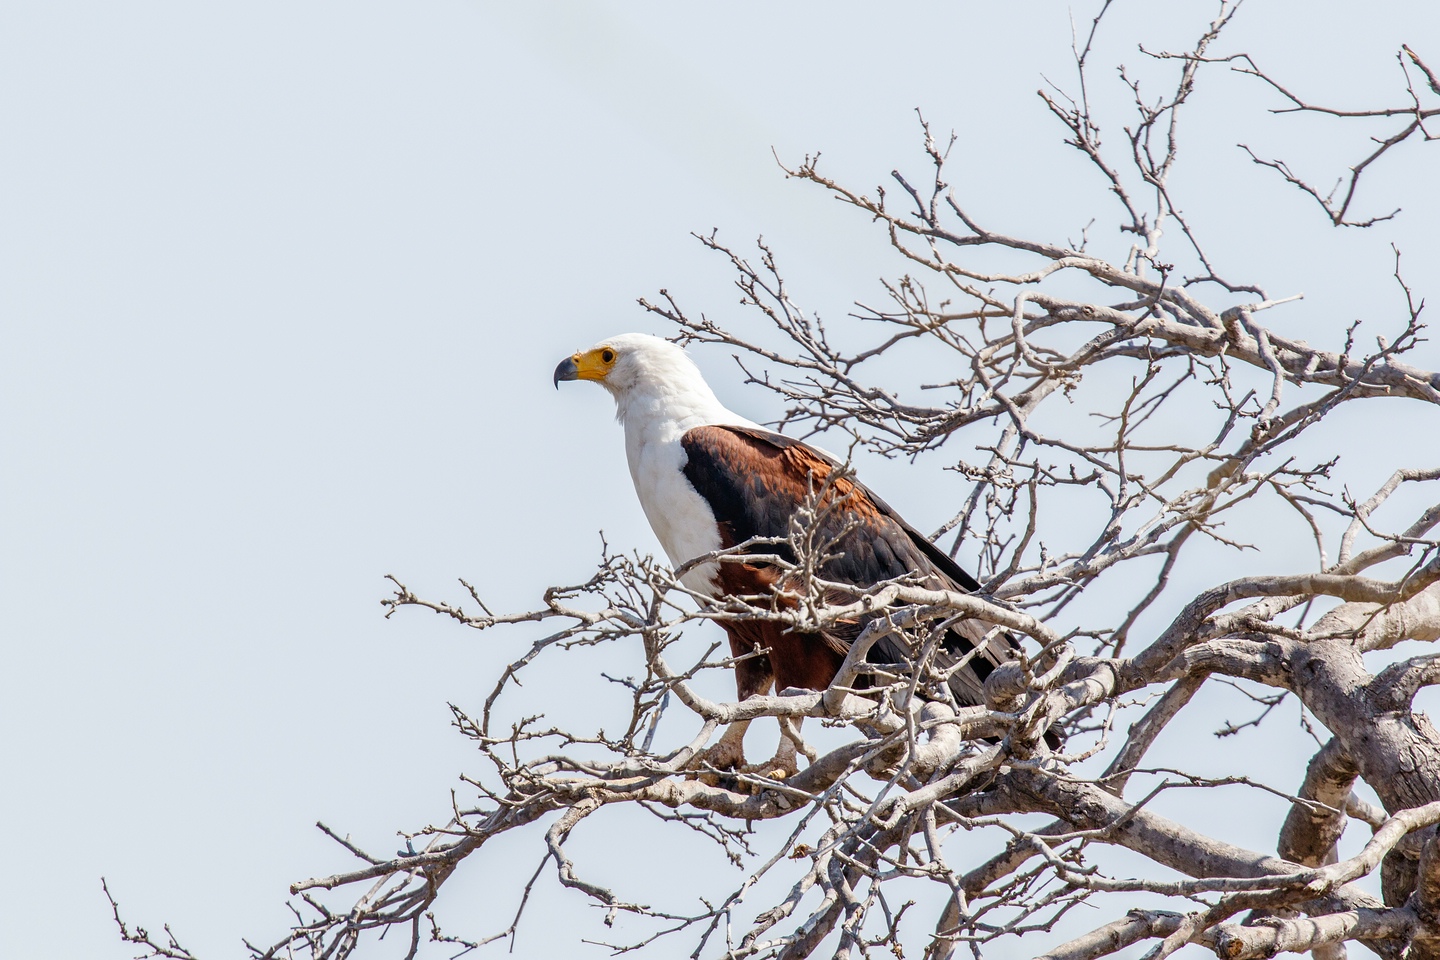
x,y
282,285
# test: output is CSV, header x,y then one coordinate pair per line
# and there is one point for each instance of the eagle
x,y
709,479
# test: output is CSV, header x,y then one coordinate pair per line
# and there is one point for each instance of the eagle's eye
x,y
607,355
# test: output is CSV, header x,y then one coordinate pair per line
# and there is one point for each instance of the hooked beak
x,y
567,370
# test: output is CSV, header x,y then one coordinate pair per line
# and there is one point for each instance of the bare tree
x,y
1129,410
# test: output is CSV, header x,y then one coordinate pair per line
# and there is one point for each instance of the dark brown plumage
x,y
754,481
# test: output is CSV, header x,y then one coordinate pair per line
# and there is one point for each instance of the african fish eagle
x,y
709,479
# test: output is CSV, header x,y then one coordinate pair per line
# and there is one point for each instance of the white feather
x,y
659,395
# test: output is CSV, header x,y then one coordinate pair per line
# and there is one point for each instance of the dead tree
x,y
1128,410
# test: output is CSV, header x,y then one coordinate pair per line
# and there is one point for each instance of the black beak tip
x,y
566,371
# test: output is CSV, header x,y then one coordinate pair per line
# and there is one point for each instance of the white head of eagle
x,y
710,479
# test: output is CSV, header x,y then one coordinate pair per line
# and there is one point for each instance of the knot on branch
x,y
1005,686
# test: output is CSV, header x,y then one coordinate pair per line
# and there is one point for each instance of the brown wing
x,y
755,480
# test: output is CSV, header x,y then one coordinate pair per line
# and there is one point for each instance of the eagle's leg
x,y
727,753
785,763
753,676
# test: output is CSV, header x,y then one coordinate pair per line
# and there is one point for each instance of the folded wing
x,y
755,481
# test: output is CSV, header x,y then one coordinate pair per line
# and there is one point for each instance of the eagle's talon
x,y
713,763
723,781
778,767
722,758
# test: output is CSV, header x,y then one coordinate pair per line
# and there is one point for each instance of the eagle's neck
x,y
652,417
656,417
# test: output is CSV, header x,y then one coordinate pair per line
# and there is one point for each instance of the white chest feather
x,y
680,517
